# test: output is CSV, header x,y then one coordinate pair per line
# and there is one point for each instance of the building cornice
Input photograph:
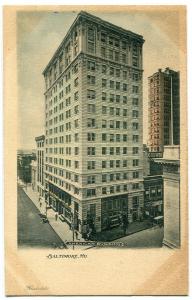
x,y
96,20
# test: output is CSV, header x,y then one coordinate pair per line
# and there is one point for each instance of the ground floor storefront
x,y
95,215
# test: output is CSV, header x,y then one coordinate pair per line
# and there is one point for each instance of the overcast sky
x,y
40,33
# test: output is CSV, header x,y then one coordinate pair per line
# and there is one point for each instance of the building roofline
x,y
163,72
96,19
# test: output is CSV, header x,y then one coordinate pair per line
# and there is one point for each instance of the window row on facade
x,y
92,137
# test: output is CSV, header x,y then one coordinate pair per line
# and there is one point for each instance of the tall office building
x,y
163,110
93,120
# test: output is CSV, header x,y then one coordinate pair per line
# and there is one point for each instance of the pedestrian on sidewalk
x,y
56,216
40,204
76,235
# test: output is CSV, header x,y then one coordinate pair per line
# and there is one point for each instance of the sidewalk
x,y
61,228
116,233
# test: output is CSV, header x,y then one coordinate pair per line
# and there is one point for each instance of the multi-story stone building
x,y
40,141
163,110
93,120
171,176
153,199
34,175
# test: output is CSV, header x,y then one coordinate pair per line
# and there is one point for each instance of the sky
x,y
39,33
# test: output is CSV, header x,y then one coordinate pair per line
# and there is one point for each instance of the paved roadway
x,y
31,231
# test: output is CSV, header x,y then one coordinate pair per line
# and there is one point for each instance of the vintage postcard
x,y
95,150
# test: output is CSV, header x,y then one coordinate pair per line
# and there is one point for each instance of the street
x,y
148,238
31,231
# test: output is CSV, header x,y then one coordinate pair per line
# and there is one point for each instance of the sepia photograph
x,y
100,100
99,134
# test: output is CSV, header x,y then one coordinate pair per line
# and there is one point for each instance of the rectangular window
x,y
104,110
76,109
135,89
117,163
135,174
124,99
111,137
111,54
111,177
135,150
111,111
91,151
76,96
103,52
90,122
118,98
104,137
117,71
104,124
117,85
90,79
91,179
104,190
117,111
90,47
76,82
91,65
91,94
117,124
123,45
124,87
111,151
112,189
91,192
104,150
91,165
111,124
125,112
116,56
124,163
111,163
124,125
111,84
135,162
104,164
91,108
104,83
135,126
135,114
118,138
104,69
135,138
104,96
103,37
124,58
124,150
135,76
91,136
104,178
76,151
111,71
124,137
117,150
90,34
135,101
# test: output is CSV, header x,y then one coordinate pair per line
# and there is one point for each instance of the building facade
x,y
163,110
24,166
93,120
34,175
40,141
171,175
153,199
